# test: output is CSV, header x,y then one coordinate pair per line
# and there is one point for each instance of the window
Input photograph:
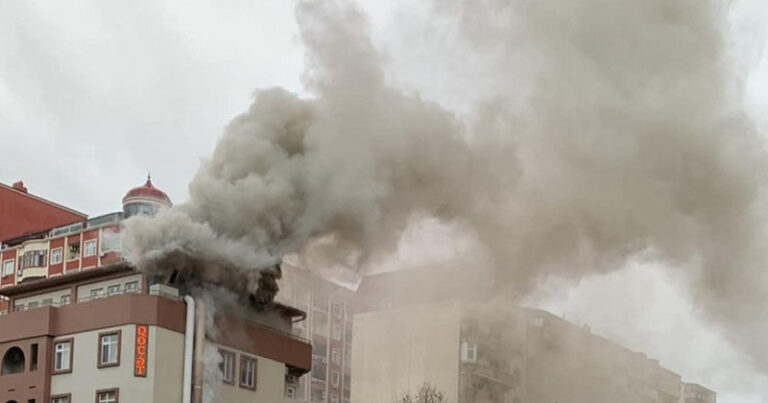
x,y
8,267
338,309
73,252
227,366
60,399
62,356
97,293
13,362
318,371
33,258
90,248
21,307
106,396
336,332
64,300
109,349
468,352
33,357
247,372
33,305
290,392
57,256
320,323
48,302
335,356
334,399
131,287
335,379
113,290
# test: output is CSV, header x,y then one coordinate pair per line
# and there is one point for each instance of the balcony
x,y
32,273
490,373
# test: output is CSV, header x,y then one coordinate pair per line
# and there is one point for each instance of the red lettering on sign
x,y
140,364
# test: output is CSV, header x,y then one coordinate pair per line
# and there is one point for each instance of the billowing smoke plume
x,y
616,128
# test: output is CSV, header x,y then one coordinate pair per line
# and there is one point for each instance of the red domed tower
x,y
146,200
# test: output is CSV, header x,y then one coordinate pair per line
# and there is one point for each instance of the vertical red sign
x,y
142,346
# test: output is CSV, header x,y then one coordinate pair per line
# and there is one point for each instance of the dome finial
x,y
149,175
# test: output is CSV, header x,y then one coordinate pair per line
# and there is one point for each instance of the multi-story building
x,y
79,324
438,326
328,326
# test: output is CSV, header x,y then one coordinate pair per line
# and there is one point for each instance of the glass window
x,y
57,256
336,332
90,248
8,268
334,399
48,302
64,300
97,293
62,357
32,305
338,309
335,356
60,399
131,287
73,252
113,290
109,351
227,366
107,396
335,379
248,372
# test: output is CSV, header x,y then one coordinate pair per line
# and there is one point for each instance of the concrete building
x,y
431,325
328,326
77,324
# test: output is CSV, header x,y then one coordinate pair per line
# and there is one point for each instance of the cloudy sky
x,y
93,94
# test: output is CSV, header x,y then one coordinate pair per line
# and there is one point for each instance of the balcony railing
x,y
492,373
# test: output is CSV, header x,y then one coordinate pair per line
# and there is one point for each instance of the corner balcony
x,y
32,273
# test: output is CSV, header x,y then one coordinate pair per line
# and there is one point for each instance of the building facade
x,y
328,326
78,324
433,326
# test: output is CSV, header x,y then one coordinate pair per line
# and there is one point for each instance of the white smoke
x,y
625,134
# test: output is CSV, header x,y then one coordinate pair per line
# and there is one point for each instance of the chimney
x,y
20,186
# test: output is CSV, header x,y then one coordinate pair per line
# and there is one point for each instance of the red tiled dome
x,y
147,191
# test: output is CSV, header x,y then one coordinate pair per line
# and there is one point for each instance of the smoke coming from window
x,y
615,129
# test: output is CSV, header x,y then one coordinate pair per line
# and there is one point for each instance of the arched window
x,y
11,401
13,361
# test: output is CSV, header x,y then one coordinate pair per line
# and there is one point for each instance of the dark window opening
x,y
13,361
33,358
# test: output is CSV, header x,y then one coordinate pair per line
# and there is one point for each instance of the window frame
x,y
233,356
95,244
118,287
335,356
71,342
68,299
67,396
99,362
335,378
97,296
60,249
72,256
101,391
13,268
133,291
243,359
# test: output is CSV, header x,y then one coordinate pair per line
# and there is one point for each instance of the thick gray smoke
x,y
626,134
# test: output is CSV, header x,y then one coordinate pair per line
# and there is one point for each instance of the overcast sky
x,y
93,94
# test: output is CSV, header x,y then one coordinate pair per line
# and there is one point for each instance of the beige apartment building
x,y
475,348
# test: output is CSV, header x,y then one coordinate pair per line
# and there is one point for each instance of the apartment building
x,y
328,326
78,324
439,326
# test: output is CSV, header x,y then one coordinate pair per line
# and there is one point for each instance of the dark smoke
x,y
631,137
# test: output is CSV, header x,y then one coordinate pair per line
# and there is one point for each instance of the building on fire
x,y
78,324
